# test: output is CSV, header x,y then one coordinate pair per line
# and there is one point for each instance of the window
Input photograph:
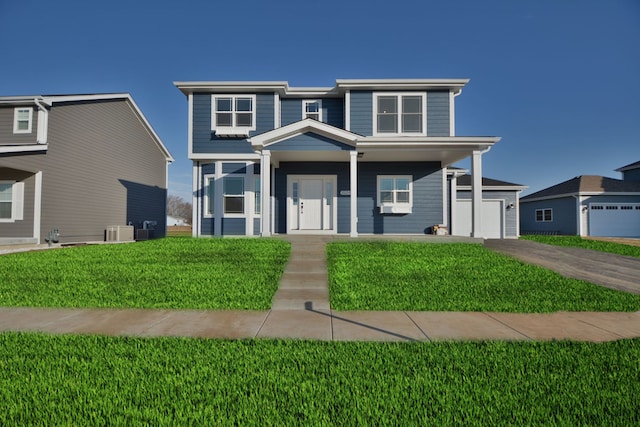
x,y
256,193
234,114
11,201
400,114
544,215
209,196
395,194
22,117
312,109
233,192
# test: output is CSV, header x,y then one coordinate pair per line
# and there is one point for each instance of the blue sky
x,y
558,80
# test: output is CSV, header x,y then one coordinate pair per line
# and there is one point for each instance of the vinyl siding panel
x,y
309,142
102,168
333,112
427,198
290,111
438,123
233,226
510,215
361,112
7,137
564,216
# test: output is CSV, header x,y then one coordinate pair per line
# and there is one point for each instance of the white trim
x,y
452,114
476,194
277,113
579,215
394,207
234,129
195,202
205,195
306,102
347,110
265,194
334,204
225,156
445,199
43,123
190,125
581,194
16,111
399,96
353,193
37,206
454,201
23,148
300,127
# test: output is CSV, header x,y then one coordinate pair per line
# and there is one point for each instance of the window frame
x,y
543,212
17,201
234,128
394,207
16,121
242,196
399,112
305,113
209,201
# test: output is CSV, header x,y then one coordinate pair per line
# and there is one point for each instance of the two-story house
x,y
361,157
73,167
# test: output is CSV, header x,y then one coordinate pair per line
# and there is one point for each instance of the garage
x,y
492,219
614,219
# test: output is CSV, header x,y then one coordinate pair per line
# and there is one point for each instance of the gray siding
x,y
362,112
427,198
102,168
564,216
310,142
205,140
290,111
234,226
511,215
438,113
7,137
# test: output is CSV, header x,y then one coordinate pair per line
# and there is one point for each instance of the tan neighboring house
x,y
90,167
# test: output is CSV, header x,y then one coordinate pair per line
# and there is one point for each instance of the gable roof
x,y
304,126
629,167
465,181
585,184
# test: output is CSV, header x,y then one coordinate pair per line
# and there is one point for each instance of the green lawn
x,y
455,277
88,380
176,272
579,242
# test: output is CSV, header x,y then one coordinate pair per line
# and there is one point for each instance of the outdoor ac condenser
x,y
119,233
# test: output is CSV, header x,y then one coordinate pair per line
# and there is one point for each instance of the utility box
x,y
119,233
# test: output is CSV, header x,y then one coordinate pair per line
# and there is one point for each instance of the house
x,y
173,221
74,166
358,158
586,205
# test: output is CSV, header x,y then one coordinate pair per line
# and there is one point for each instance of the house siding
x,y
20,228
309,142
102,168
438,120
632,175
333,112
564,216
427,198
7,137
361,112
510,215
290,111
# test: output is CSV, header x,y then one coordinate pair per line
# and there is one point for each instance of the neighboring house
x,y
586,205
79,164
361,157
174,221
500,207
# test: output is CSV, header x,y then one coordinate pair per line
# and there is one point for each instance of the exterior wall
x,y
632,175
510,215
586,201
564,216
309,142
7,137
205,140
361,112
332,111
20,228
102,168
427,198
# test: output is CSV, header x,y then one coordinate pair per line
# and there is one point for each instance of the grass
x,y
579,242
164,273
455,277
89,380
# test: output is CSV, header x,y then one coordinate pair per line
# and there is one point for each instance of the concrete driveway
x,y
605,269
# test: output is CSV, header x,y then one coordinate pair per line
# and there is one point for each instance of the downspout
x,y
43,122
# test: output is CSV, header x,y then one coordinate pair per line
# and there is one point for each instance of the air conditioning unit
x,y
119,233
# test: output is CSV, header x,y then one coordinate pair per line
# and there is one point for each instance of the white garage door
x,y
492,219
614,219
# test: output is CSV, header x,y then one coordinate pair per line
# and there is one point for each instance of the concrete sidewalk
x,y
325,324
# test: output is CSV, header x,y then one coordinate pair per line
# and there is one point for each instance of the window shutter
x,y
18,201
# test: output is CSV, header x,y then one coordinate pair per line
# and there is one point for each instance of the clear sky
x,y
558,80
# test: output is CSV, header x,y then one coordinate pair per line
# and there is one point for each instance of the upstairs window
x,y
400,114
312,109
22,118
395,193
233,114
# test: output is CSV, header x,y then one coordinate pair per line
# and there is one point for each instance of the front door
x,y
311,201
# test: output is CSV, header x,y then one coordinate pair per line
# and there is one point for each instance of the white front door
x,y
311,204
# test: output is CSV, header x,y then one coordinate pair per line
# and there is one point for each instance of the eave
x,y
32,148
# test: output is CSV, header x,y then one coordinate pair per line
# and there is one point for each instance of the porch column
x,y
265,194
454,202
476,194
353,191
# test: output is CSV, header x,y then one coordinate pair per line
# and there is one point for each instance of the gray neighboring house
x,y
586,205
80,164
500,206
